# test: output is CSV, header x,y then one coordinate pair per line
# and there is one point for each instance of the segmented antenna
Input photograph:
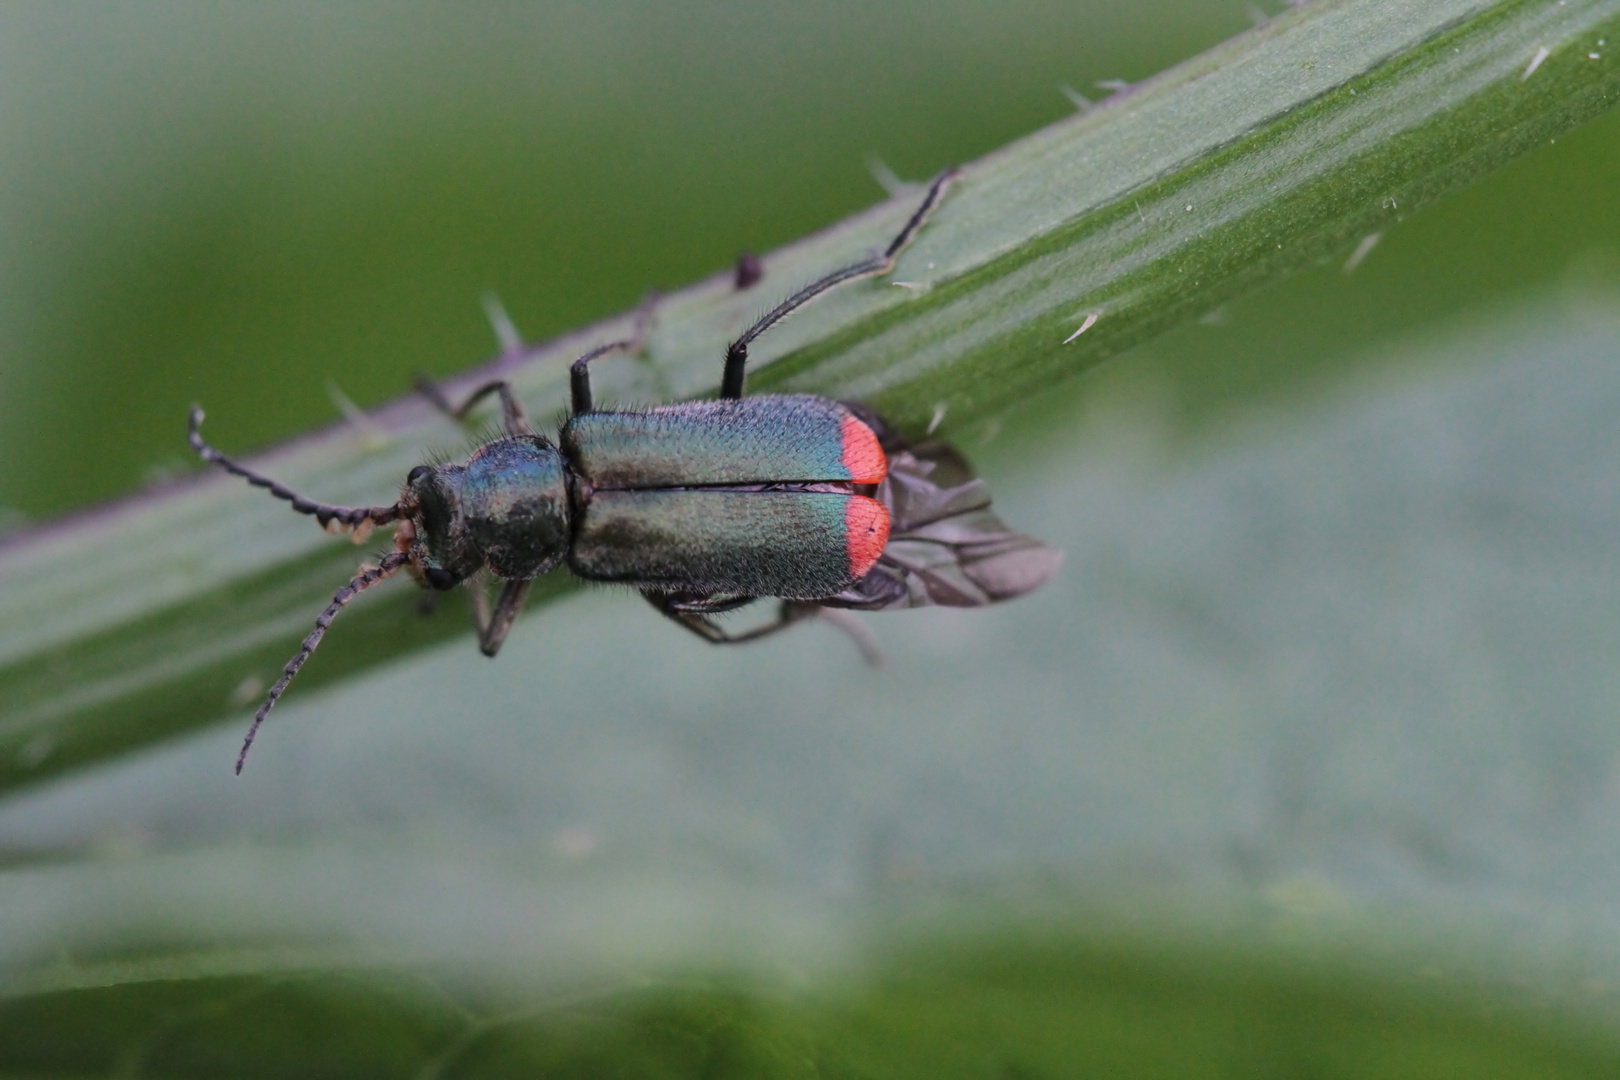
x,y
325,513
362,581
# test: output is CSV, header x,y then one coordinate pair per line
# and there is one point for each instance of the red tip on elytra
x,y
863,457
866,530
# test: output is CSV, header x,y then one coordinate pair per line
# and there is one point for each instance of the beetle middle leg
x,y
697,615
731,383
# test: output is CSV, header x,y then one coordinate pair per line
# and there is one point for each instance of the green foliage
x,y
1217,177
1039,1006
446,868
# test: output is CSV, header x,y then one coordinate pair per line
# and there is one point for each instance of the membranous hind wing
x,y
946,546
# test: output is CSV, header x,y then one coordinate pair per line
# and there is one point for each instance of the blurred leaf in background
x,y
239,206
1307,766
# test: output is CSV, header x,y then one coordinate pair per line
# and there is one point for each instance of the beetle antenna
x,y
362,581
731,385
325,513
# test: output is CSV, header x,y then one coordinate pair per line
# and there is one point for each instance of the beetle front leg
x,y
493,627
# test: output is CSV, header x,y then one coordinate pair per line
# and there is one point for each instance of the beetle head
x,y
434,533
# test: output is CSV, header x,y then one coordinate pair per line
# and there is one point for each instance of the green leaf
x,y
1034,1005
1272,152
1337,681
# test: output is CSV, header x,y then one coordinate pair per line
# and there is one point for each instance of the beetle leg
x,y
579,375
861,634
513,418
700,619
731,383
482,613
701,625
708,605
493,628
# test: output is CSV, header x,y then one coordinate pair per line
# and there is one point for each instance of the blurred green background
x,y
236,204
1306,766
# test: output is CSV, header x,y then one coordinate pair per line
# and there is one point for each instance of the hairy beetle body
x,y
704,506
751,497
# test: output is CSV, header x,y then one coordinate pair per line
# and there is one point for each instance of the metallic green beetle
x,y
704,507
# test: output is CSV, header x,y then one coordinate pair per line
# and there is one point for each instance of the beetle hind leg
x,y
731,382
866,642
697,615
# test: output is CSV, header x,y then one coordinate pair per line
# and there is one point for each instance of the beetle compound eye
x,y
417,473
439,578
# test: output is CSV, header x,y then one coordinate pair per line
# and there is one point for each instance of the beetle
x,y
703,507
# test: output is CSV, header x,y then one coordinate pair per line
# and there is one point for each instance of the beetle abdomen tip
x,y
863,456
866,531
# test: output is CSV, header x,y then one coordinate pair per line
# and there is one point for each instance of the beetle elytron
x,y
703,507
